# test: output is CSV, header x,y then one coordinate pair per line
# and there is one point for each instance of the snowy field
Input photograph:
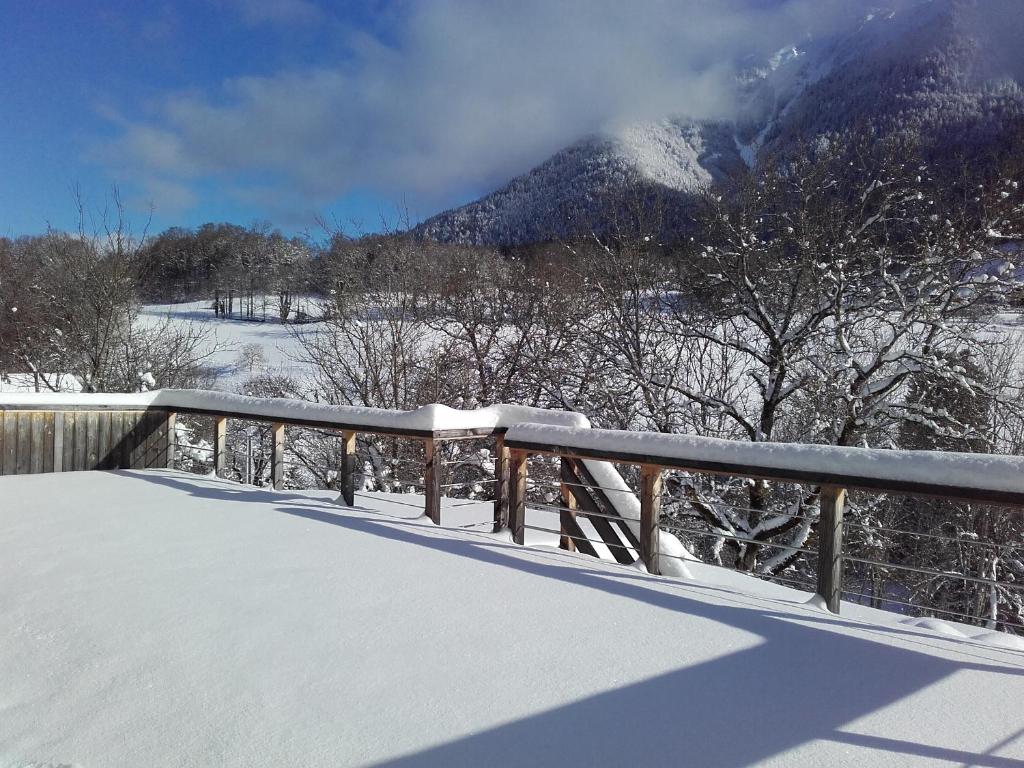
x,y
278,341
156,618
281,345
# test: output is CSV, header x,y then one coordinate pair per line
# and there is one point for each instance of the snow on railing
x,y
831,470
982,478
55,431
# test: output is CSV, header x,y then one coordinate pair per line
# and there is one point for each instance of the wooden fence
x,y
33,441
63,435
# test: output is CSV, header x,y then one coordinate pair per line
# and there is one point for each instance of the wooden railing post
x,y
565,541
277,463
517,495
650,517
830,546
220,439
432,481
172,421
500,484
348,468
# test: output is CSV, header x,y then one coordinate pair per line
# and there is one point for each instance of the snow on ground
x,y
157,618
278,341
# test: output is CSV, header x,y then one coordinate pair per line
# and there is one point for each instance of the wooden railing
x,y
44,433
54,433
830,470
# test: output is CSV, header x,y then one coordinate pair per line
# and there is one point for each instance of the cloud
x,y
169,197
463,95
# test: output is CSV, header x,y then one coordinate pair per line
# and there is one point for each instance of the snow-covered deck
x,y
156,618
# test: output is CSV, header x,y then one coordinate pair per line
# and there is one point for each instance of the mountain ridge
x,y
948,70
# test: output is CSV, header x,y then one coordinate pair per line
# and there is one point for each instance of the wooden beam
x,y
220,438
92,441
500,483
104,440
432,481
36,458
650,517
620,527
277,462
781,475
567,517
830,546
10,458
517,495
24,459
586,502
347,480
137,440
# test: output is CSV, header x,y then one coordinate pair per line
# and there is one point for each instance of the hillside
x,y
198,622
946,71
565,194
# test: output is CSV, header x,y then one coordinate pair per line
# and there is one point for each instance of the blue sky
x,y
72,71
282,110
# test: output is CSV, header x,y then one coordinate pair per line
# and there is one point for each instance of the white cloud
x,y
469,95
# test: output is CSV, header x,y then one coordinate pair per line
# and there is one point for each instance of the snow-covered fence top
x,y
426,421
959,476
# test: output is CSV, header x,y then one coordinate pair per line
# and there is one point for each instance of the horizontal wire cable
x,y
919,607
936,536
578,538
933,572
723,535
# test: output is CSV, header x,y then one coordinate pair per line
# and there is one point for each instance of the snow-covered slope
x,y
575,189
154,618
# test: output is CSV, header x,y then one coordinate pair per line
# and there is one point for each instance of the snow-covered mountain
x,y
948,70
569,190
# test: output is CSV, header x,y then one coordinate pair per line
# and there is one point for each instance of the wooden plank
x,y
129,446
170,425
346,482
220,441
139,433
650,517
2,416
58,441
567,517
151,439
103,440
830,546
517,495
432,480
92,444
145,439
277,461
68,464
80,444
49,434
501,483
36,454
24,443
116,451
10,458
